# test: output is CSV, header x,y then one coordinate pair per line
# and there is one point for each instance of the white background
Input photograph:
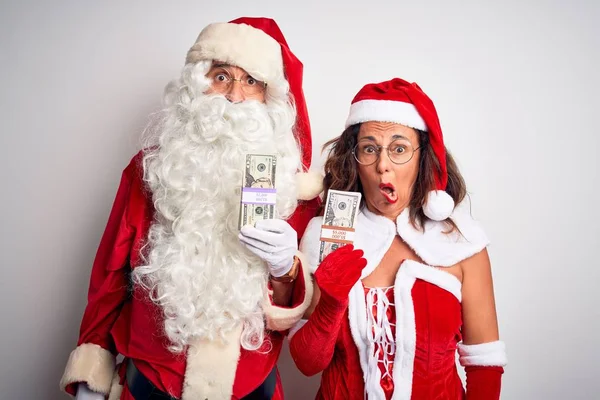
x,y
516,86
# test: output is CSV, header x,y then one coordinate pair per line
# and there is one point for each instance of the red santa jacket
x,y
120,318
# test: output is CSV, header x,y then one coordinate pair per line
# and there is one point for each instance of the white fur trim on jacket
x,y
484,354
282,318
296,328
438,248
211,367
386,111
309,184
241,45
116,388
91,364
310,243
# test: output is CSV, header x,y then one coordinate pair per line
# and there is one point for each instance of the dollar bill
x,y
258,189
341,213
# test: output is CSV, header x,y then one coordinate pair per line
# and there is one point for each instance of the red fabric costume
x,y
423,313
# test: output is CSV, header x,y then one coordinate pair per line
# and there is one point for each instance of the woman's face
x,y
387,185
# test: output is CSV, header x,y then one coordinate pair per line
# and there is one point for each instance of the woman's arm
x,y
480,324
313,344
481,353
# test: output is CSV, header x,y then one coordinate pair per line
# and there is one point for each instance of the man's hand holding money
x,y
273,240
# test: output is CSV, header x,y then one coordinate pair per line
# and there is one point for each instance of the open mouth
x,y
389,192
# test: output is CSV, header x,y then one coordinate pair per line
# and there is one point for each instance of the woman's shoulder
x,y
439,247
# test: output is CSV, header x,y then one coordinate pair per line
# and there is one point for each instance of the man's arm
x,y
93,360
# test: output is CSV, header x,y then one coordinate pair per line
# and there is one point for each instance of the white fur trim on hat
x,y
438,206
484,354
386,111
241,45
283,318
91,364
309,184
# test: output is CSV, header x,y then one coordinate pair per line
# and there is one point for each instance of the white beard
x,y
196,269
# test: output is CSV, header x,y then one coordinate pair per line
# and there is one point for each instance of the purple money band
x,y
264,196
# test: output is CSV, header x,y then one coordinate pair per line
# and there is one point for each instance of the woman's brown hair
x,y
341,173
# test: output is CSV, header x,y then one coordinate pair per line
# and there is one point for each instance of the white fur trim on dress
x,y
441,249
438,277
309,184
406,334
484,354
282,318
406,339
116,388
91,364
385,111
241,45
211,367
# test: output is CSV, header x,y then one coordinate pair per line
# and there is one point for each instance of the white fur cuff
x,y
91,364
296,328
281,318
484,354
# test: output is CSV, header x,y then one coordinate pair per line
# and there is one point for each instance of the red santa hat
x,y
405,103
258,46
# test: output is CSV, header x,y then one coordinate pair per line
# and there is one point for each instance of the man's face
x,y
235,83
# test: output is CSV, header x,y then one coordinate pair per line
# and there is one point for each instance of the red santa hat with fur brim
x,y
404,103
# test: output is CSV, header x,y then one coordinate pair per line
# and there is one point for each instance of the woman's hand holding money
x,y
273,240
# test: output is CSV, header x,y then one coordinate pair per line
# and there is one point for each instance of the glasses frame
x,y
231,79
379,151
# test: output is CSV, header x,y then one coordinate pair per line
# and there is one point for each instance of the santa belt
x,y
141,388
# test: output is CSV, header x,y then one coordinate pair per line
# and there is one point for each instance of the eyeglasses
x,y
400,151
222,81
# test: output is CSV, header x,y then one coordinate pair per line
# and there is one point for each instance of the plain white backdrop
x,y
516,86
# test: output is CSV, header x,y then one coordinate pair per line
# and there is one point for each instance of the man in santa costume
x,y
198,307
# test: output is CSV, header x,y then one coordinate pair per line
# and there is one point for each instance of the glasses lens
x,y
400,151
220,78
366,152
252,86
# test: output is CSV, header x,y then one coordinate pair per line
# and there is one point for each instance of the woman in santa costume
x,y
392,309
198,307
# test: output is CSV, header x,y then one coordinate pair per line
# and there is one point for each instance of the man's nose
x,y
235,94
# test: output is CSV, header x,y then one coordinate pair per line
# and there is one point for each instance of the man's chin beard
x,y
205,281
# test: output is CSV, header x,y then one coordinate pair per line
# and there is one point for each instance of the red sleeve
x,y
93,361
483,382
305,211
109,279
